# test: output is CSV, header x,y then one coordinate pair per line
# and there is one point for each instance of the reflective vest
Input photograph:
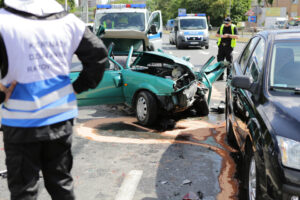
x,y
233,41
39,59
112,24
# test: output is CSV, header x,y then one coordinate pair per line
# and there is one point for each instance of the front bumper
x,y
292,185
194,41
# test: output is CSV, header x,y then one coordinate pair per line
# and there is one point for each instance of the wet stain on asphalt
x,y
190,132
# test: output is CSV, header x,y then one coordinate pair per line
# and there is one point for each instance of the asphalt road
x,y
116,159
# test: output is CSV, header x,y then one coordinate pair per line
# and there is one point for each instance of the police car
x,y
191,30
131,17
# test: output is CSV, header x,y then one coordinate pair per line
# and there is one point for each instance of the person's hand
x,y
226,35
8,91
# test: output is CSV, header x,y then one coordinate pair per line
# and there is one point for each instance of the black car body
x,y
263,114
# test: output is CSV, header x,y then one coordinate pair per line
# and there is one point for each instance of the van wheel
x,y
146,108
206,47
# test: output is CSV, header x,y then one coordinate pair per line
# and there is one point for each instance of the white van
x,y
132,17
191,30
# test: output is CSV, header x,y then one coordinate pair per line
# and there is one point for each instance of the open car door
x,y
154,31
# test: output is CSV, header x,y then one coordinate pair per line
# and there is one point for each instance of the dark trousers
x,y
225,52
24,161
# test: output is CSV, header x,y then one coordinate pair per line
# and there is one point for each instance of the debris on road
x,y
3,173
164,182
191,196
220,108
186,181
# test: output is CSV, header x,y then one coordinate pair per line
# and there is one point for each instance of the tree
x,y
267,2
238,10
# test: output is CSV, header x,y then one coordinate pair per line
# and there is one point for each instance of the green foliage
x,y
1,3
238,10
71,4
267,2
216,9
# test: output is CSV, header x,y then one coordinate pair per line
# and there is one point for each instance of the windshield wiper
x,y
294,89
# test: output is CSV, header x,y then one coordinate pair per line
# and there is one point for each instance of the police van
x,y
191,30
129,18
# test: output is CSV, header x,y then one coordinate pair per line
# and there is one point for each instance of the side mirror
x,y
243,82
100,31
153,29
176,28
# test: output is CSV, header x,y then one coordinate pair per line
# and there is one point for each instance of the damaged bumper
x,y
180,100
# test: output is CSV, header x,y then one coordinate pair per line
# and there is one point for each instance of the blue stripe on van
x,y
158,35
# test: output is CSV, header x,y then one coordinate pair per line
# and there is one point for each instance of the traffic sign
x,y
252,19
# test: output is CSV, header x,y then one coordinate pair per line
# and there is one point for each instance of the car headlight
x,y
181,33
290,151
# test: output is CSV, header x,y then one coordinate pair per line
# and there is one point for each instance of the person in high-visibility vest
x,y
227,36
109,24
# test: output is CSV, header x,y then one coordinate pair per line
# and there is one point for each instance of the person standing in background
x,y
37,42
227,36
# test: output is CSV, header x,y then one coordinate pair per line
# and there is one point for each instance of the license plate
x,y
194,43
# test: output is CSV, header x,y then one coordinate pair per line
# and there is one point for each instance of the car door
x,y
109,91
244,103
155,38
234,95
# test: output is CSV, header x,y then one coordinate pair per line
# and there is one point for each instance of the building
x,y
292,6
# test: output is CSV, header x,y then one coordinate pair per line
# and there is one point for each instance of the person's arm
x,y
93,55
218,33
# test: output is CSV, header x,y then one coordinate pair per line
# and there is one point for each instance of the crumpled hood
x,y
283,113
35,7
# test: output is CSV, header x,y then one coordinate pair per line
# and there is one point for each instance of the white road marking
x,y
170,52
235,52
204,52
129,185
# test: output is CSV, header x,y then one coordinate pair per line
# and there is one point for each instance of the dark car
x,y
263,114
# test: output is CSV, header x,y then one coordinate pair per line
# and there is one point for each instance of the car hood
x,y
284,115
169,59
126,35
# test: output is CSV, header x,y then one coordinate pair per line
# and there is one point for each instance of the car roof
x,y
278,35
122,10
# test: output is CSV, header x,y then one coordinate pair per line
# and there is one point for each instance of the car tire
x,y
206,47
178,46
146,108
201,107
251,179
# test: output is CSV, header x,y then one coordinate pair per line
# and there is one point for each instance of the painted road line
x,y
235,52
170,52
129,185
204,52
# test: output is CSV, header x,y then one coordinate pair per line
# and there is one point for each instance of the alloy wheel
x,y
141,108
252,180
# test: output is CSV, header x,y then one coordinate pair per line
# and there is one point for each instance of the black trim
x,y
3,58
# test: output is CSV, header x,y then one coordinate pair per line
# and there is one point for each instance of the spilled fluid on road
x,y
191,132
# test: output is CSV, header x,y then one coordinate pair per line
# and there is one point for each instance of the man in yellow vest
x,y
109,24
227,36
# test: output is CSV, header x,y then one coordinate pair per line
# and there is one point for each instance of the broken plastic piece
x,y
191,196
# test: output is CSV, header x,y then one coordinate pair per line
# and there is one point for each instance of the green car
x,y
153,83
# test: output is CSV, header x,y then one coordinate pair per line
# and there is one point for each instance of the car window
x,y
285,62
247,52
255,63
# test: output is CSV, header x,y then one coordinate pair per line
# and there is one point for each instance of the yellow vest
x,y
233,41
112,24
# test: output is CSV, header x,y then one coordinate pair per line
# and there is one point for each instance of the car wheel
x,y
206,47
251,179
146,108
201,107
178,46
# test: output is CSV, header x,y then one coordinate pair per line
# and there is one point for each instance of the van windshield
x,y
132,21
192,24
